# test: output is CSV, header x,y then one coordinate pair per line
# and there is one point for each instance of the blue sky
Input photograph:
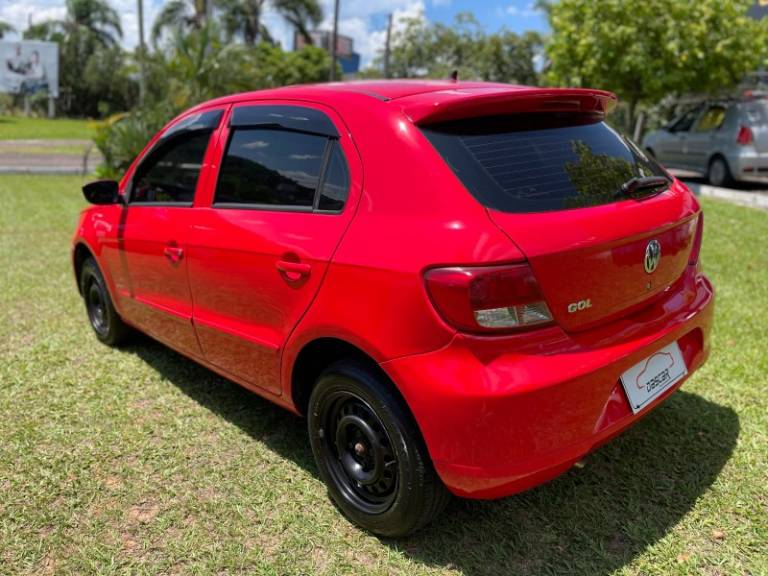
x,y
363,20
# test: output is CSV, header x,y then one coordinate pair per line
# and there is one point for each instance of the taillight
x,y
745,136
488,299
693,259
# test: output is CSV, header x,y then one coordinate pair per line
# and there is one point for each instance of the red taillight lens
x,y
488,299
693,259
745,136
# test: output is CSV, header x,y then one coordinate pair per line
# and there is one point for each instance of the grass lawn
x,y
138,461
20,128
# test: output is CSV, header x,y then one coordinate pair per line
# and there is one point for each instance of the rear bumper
x,y
749,166
501,415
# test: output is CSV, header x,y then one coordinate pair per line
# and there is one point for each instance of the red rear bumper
x,y
500,415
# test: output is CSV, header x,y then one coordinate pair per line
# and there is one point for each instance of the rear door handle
x,y
293,270
173,253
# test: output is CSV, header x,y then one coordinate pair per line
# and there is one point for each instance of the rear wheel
x,y
105,321
370,453
719,174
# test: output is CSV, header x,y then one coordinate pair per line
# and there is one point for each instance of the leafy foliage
x,y
434,50
196,67
646,49
93,75
243,18
5,28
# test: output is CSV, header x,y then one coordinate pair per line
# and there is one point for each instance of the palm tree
x,y
243,17
180,15
5,28
86,21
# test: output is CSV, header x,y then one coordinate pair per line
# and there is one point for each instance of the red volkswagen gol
x,y
466,287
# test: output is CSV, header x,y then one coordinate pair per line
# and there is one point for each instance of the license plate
x,y
649,378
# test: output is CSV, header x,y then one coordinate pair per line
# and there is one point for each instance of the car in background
x,y
725,140
462,285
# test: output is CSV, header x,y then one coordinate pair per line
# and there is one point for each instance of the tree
x,y
5,28
180,15
89,28
244,17
645,49
434,50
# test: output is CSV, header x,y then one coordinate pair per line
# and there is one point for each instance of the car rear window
x,y
757,112
540,162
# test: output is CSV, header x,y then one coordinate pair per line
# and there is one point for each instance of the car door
x,y
154,229
280,200
701,139
672,148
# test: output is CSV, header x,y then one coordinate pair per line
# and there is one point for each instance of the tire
x,y
718,173
104,319
370,453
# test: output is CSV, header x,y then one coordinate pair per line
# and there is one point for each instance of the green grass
x,y
21,128
137,461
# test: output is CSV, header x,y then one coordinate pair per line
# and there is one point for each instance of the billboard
x,y
29,67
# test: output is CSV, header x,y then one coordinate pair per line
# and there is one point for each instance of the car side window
x,y
335,189
282,158
712,119
271,168
169,174
685,122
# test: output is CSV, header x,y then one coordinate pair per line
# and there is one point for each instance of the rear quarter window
x,y
540,162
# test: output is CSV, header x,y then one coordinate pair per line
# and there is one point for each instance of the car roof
x,y
383,90
430,99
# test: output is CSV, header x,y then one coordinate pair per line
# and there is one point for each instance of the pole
x,y
334,39
142,51
387,73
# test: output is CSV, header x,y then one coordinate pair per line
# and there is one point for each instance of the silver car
x,y
725,140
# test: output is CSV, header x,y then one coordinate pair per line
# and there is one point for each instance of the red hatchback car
x,y
465,287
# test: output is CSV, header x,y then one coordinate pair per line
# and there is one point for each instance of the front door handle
x,y
293,270
173,253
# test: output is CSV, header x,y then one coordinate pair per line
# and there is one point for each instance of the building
x,y
349,60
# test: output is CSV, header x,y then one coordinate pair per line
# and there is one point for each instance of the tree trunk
x,y
632,113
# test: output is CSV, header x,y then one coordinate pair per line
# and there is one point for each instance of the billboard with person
x,y
28,67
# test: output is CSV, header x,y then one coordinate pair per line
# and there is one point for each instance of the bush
x,y
198,67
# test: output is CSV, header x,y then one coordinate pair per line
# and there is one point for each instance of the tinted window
x,y
712,119
540,162
336,182
271,167
686,120
170,172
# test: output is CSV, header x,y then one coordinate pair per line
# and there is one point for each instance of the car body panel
x,y
694,149
498,413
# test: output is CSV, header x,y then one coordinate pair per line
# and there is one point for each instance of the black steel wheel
x,y
370,453
105,321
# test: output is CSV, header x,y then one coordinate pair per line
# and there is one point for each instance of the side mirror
x,y
102,192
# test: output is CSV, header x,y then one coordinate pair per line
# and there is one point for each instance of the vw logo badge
x,y
652,256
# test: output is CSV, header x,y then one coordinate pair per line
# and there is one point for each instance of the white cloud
x,y
20,13
364,21
528,12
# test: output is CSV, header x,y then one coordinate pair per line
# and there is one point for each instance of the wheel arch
x,y
80,253
717,154
319,353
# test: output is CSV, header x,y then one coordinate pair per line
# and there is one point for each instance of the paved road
x,y
752,195
48,157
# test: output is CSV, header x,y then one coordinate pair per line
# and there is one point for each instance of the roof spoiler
x,y
446,105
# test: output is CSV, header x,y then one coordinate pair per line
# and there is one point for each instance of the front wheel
x,y
370,453
105,321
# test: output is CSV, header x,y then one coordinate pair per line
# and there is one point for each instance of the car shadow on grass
x,y
590,521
